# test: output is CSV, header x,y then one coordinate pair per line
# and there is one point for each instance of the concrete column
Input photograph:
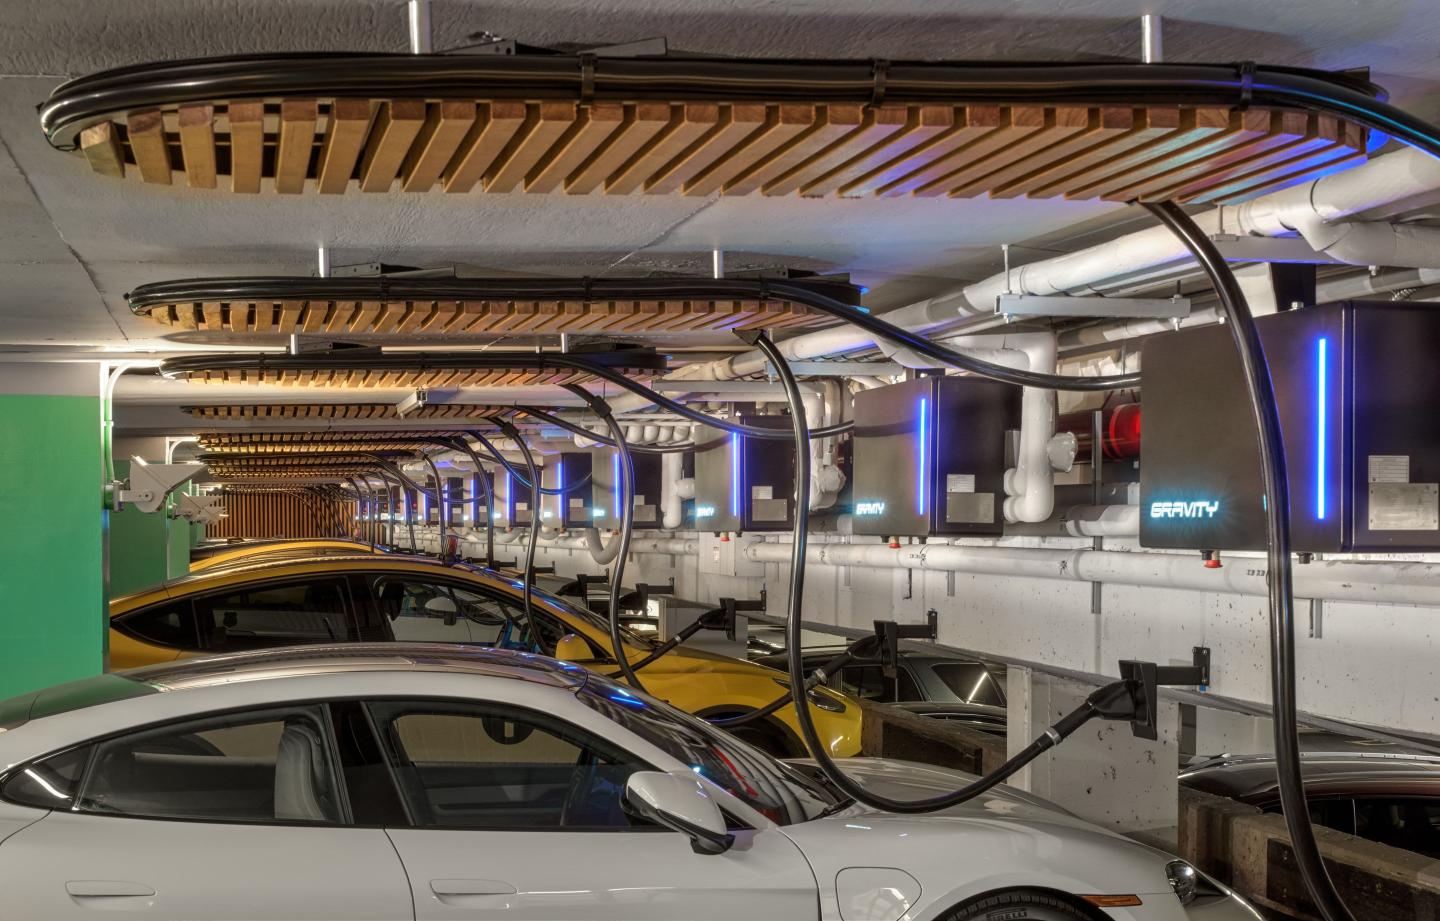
x,y
52,525
1102,772
139,542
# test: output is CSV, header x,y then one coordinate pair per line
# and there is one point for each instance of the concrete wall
x,y
1376,664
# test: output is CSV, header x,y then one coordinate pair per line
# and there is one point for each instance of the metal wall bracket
x,y
1147,678
1039,305
149,484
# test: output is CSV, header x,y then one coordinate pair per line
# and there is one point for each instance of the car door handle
x,y
110,894
453,887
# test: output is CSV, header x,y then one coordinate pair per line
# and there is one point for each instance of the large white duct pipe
x,y
1330,580
1388,184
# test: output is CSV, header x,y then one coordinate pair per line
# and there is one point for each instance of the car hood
x,y
908,780
995,834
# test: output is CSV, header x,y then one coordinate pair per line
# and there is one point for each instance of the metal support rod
x,y
420,35
528,576
717,263
322,261
1152,45
627,524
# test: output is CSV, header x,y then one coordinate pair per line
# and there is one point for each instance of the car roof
x,y
287,663
293,661
1252,778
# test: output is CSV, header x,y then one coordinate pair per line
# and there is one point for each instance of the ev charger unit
x,y
929,457
571,467
744,484
1356,389
605,489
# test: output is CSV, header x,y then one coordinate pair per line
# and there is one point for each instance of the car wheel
x,y
1022,905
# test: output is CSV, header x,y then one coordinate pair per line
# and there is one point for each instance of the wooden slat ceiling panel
x,y
1116,153
483,317
332,442
342,411
370,380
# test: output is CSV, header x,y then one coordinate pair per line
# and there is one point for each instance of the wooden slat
x,y
346,128
1254,133
446,125
874,127
1354,142
101,145
1294,134
1145,127
262,318
593,125
1237,130
1194,126
197,144
495,124
544,124
288,316
396,125
640,124
1087,128
688,123
736,123
831,124
1016,124
297,140
365,316
247,143
970,124
315,316
1055,126
1322,143
146,132
922,124
783,124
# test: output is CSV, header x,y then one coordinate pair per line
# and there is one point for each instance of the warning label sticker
x,y
1389,468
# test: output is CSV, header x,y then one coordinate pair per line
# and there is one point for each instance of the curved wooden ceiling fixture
x,y
385,412
364,368
578,124
260,444
485,307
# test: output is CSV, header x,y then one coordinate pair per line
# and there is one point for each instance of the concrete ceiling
x,y
71,243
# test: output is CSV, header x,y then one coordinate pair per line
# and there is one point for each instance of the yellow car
x,y
384,597
256,550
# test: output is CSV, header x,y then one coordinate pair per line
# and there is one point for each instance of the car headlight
x,y
818,697
1190,884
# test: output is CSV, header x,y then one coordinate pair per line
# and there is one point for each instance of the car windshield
x,y
773,788
579,612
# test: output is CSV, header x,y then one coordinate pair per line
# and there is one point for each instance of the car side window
x,y
283,614
1331,812
971,682
868,682
272,766
424,611
489,766
171,624
1412,823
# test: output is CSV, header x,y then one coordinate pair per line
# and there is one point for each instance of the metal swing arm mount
x,y
1145,680
889,634
580,586
730,607
639,599
149,484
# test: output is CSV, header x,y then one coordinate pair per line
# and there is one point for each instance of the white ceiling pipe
x,y
1330,580
1387,184
671,507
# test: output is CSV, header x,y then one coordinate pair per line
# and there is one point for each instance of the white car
x,y
440,782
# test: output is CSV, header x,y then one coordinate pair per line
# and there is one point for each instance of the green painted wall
x,y
139,546
52,591
178,541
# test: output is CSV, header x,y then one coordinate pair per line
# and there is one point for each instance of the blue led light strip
x,y
615,484
923,454
560,485
509,500
734,475
1321,412
474,493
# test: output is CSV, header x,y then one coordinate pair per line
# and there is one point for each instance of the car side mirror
x,y
679,802
573,648
445,607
